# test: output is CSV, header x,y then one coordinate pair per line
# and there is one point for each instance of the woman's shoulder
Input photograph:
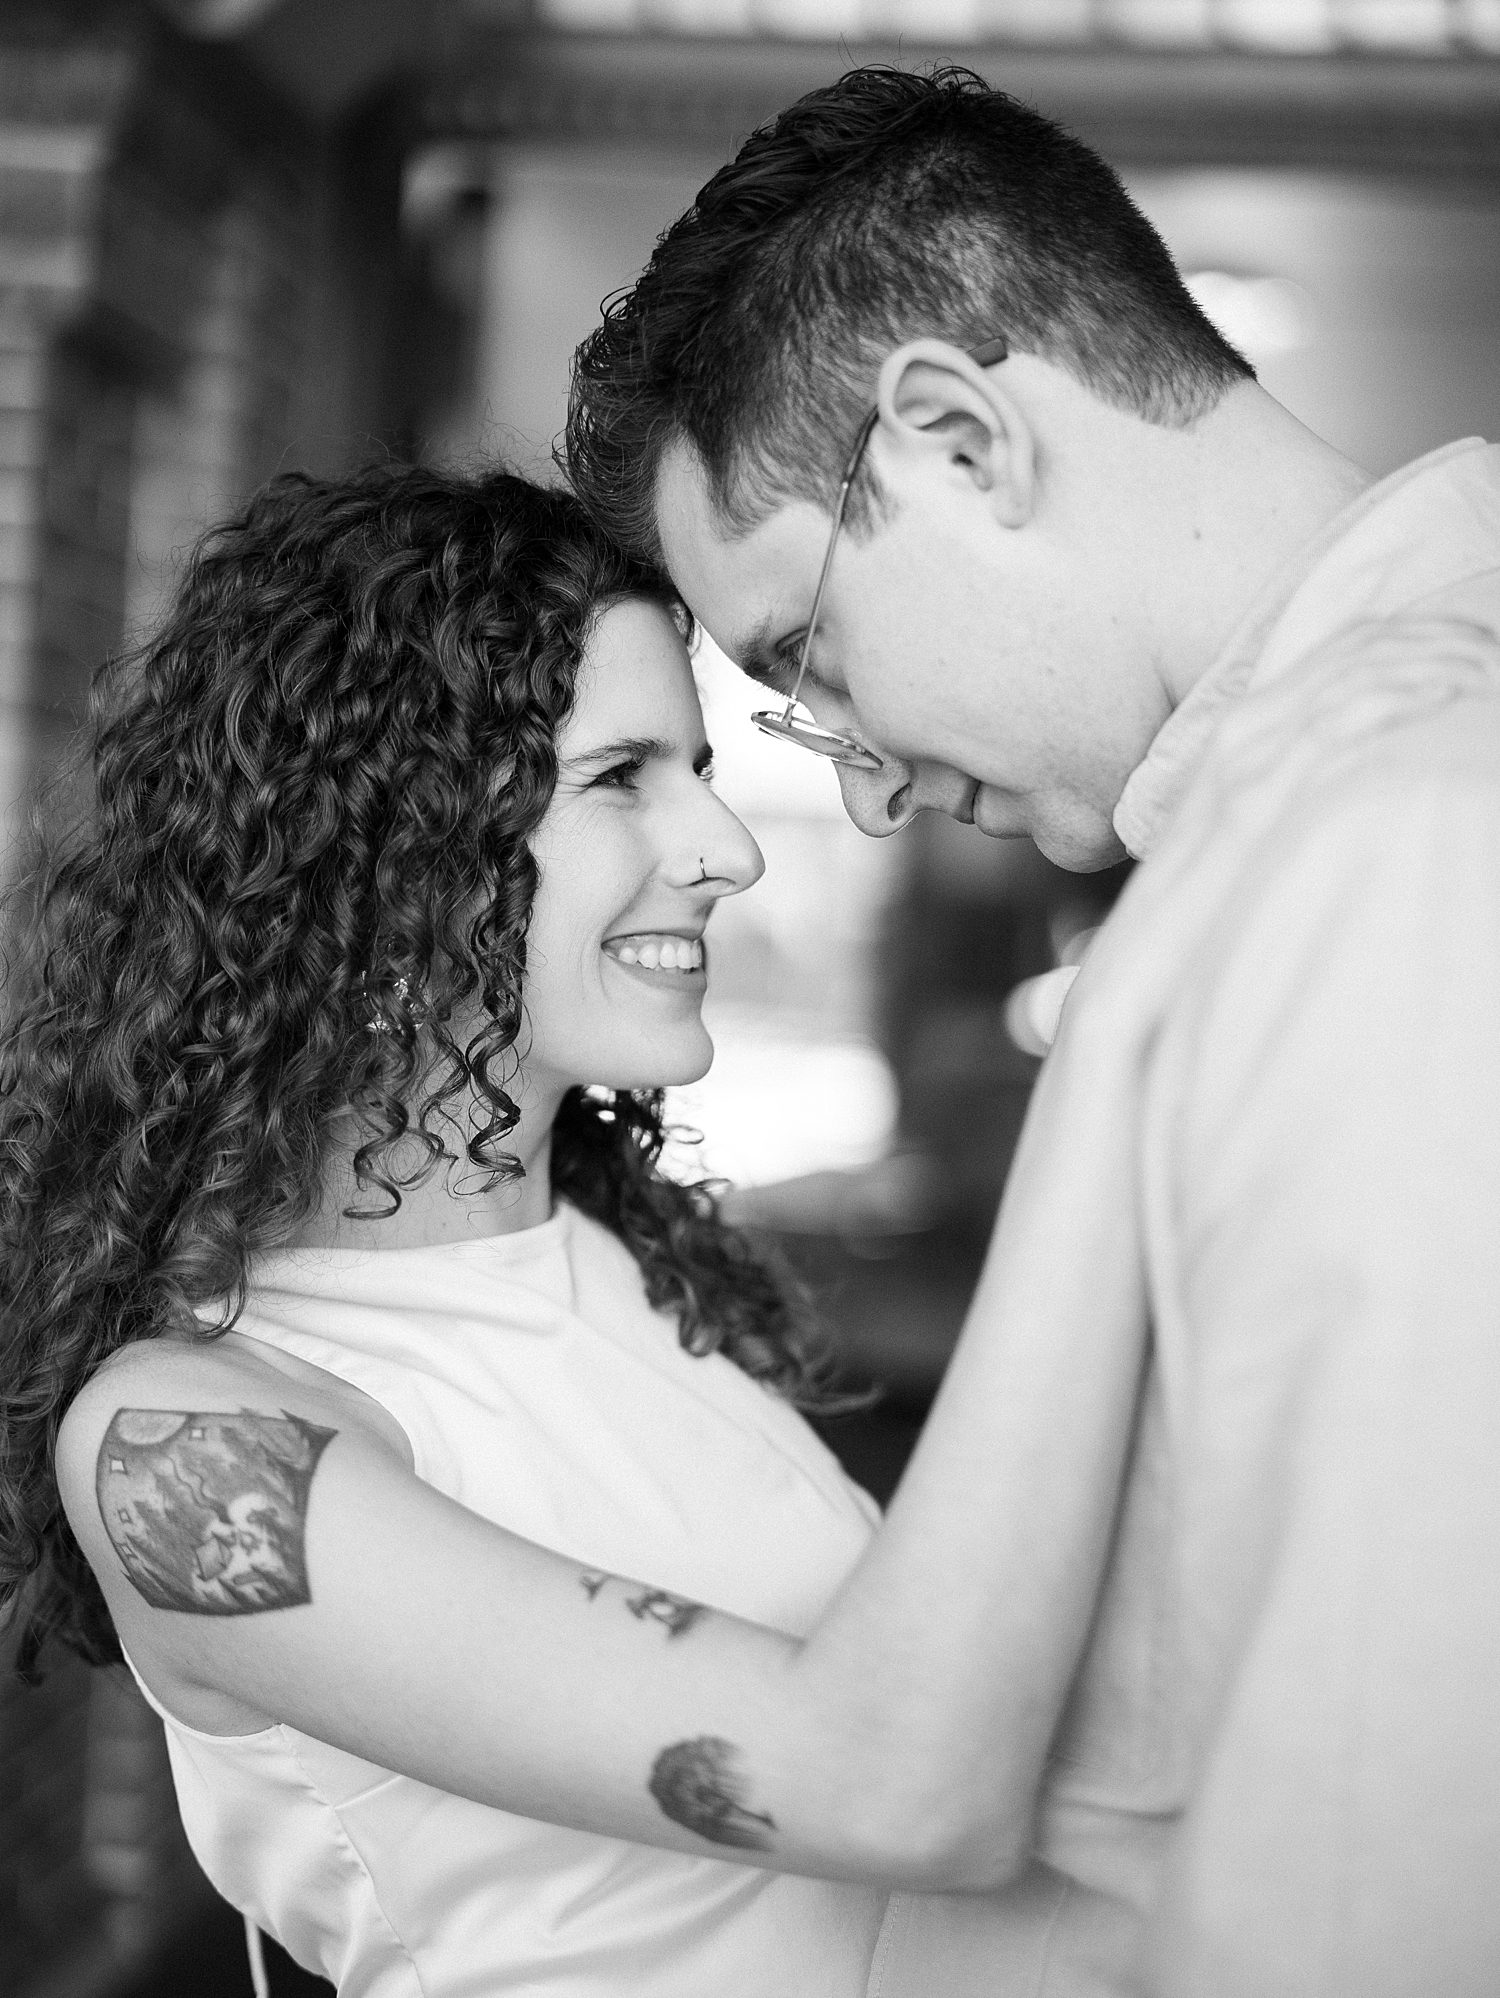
x,y
183,1407
179,1378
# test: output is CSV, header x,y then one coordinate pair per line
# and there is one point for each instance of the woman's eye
x,y
619,776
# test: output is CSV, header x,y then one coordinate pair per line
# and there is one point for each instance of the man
x,y
1082,578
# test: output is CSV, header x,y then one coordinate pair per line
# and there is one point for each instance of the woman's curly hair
x,y
314,792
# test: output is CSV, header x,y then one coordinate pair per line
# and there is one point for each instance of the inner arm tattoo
x,y
674,1613
208,1513
697,1785
695,1782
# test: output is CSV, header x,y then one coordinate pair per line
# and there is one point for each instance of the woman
x,y
430,1456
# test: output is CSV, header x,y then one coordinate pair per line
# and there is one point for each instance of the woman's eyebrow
x,y
622,749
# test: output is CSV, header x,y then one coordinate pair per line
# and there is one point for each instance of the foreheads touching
x,y
886,207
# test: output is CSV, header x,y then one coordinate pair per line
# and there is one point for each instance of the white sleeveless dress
x,y
538,1388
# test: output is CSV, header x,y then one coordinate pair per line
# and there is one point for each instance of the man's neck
x,y
1246,492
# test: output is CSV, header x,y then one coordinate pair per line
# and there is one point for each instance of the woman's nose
x,y
727,858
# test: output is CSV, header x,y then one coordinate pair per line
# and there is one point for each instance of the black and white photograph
x,y
749,999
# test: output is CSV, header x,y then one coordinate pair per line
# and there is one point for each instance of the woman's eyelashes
x,y
626,774
621,776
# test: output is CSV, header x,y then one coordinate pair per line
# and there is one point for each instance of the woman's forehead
x,y
636,681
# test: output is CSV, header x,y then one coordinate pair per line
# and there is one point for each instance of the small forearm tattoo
x,y
208,1513
675,1614
697,1785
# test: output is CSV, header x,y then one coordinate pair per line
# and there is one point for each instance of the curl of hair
x,y
314,790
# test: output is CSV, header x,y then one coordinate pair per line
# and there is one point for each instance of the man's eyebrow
x,y
622,749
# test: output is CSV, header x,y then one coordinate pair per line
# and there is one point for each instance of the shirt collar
x,y
1375,557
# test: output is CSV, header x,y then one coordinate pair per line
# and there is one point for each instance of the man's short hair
x,y
885,207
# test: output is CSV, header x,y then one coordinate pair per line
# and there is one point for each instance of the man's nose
x,y
879,801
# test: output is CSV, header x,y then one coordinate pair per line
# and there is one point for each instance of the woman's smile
x,y
673,958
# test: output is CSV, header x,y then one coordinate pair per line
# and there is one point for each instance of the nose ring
x,y
702,874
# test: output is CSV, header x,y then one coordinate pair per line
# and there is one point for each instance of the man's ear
x,y
940,409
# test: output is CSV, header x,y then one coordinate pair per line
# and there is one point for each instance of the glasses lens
x,y
821,741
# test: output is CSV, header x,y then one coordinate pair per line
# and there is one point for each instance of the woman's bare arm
x,y
901,1742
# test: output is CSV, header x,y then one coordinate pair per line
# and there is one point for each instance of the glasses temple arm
x,y
986,354
838,520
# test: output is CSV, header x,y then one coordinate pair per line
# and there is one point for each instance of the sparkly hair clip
x,y
404,995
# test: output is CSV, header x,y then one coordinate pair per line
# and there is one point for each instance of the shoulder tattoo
x,y
697,1785
208,1513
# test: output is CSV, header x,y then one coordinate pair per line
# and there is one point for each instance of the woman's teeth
x,y
661,953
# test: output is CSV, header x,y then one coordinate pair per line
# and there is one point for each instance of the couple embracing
x,y
437,1465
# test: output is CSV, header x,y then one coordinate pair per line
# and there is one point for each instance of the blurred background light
x,y
1293,27
1259,315
777,1106
799,1084
220,20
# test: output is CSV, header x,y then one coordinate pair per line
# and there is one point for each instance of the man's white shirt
x,y
1279,1772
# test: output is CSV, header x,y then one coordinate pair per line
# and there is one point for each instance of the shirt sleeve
x,y
1329,1136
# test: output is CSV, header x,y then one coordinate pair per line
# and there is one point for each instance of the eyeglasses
x,y
788,726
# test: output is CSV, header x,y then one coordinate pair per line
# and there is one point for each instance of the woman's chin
x,y
662,1069
695,1070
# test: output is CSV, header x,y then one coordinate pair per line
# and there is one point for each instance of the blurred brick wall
x,y
46,1895
197,287
94,1869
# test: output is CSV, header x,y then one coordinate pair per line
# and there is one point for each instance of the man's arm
x,y
1328,1117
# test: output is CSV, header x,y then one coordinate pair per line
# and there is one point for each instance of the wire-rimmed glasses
x,y
788,725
